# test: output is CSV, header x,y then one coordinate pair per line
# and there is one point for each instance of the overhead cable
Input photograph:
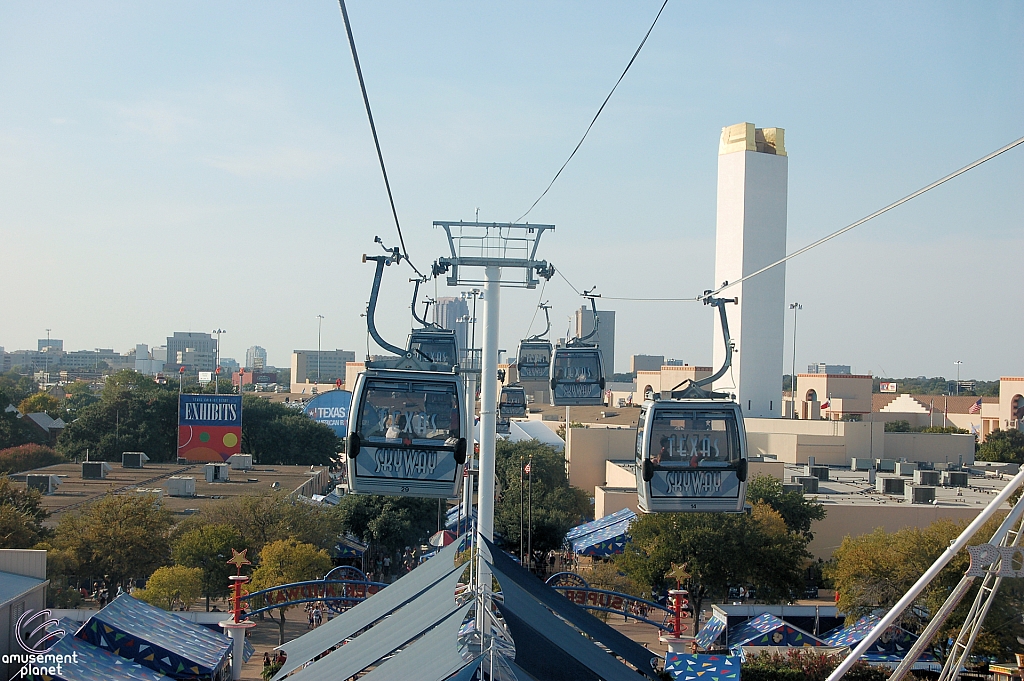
x,y
587,132
860,222
373,129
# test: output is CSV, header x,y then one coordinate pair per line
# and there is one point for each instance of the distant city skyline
x,y
195,167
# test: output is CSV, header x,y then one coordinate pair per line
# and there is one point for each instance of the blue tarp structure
x,y
349,547
713,628
892,646
456,523
95,663
157,639
768,630
702,667
602,537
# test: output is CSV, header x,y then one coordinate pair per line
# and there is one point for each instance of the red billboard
x,y
209,427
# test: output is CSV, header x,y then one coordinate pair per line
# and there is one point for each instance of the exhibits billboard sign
x,y
209,427
887,387
331,409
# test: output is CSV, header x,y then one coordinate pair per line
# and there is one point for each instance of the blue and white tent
x,y
602,537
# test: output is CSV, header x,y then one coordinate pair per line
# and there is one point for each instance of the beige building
x,y
831,396
666,378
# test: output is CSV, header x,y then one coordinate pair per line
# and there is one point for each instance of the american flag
x,y
527,469
975,408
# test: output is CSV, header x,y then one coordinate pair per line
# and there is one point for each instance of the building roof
x,y
75,491
623,417
14,586
951,404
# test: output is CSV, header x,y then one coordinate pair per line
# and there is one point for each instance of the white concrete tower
x,y
753,173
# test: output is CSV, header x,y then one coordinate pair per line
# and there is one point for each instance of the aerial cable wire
x,y
536,309
373,129
860,222
587,132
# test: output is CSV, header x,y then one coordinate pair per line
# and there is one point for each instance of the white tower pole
x,y
488,424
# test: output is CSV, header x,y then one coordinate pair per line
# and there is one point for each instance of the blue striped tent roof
x,y
891,646
713,628
156,639
768,630
600,523
95,663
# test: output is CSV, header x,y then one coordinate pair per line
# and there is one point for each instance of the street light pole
x,y
792,380
319,326
216,362
958,363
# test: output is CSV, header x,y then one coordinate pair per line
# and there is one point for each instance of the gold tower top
x,y
745,137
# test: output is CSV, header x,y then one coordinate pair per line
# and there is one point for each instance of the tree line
x,y
133,412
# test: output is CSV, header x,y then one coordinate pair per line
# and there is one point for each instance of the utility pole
x,y
958,363
216,362
795,307
319,326
46,357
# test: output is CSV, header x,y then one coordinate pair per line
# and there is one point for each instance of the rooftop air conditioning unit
x,y
932,478
955,479
216,472
885,465
45,484
240,462
889,485
133,459
95,470
905,468
920,494
181,486
861,464
819,472
809,482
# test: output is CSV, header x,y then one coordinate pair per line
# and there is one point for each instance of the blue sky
x,y
202,165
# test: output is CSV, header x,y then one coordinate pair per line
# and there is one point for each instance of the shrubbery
x,y
800,664
28,457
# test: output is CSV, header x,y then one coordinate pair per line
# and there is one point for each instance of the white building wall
x,y
751,233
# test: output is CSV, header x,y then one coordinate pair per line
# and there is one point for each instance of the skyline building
x,y
255,358
193,350
583,322
453,314
753,176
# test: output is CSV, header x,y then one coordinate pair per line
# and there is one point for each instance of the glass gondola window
x,y
441,350
513,402
577,366
534,360
409,413
688,439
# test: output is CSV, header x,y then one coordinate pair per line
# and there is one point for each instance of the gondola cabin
x,y
534,361
512,403
691,456
435,345
577,377
404,433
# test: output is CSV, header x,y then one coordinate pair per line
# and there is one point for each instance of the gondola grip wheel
x,y
460,451
353,445
648,470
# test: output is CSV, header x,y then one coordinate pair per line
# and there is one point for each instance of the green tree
x,y
132,414
287,561
116,538
387,523
276,434
14,388
798,512
21,516
1003,445
16,528
78,396
28,457
170,585
556,505
208,549
720,550
41,402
